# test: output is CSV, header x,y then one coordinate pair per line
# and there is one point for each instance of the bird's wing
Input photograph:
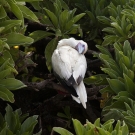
x,y
63,61
80,69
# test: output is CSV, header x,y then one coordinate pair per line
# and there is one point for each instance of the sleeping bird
x,y
69,66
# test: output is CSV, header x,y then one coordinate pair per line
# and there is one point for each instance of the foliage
x,y
60,22
11,34
120,23
119,83
14,123
93,8
110,22
95,129
122,108
66,115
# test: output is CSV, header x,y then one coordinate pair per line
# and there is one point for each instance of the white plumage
x,y
69,65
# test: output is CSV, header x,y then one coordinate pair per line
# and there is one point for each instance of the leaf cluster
x,y
12,30
119,25
14,123
119,82
95,129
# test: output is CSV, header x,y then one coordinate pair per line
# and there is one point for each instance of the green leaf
x,y
130,119
127,48
12,84
44,19
133,57
78,17
5,73
125,60
104,20
36,5
62,131
124,129
6,95
94,79
52,16
79,128
110,63
6,131
116,85
113,74
129,84
62,115
97,122
108,125
63,18
74,20
51,46
107,89
104,50
28,0
64,5
3,13
16,10
8,24
18,39
28,13
113,114
7,55
1,29
117,127
12,119
129,26
109,30
109,39
102,131
91,16
29,124
39,34
118,28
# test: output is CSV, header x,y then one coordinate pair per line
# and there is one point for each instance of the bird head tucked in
x,y
79,45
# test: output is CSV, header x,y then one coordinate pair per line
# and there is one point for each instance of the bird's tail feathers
x,y
82,95
76,99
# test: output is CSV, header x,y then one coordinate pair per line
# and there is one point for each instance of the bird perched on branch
x,y
69,66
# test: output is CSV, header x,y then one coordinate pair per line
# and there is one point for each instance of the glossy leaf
x,y
8,24
3,13
52,16
29,124
27,13
116,85
94,79
62,131
112,74
49,51
21,39
129,84
104,50
6,95
39,34
79,129
16,10
5,73
12,84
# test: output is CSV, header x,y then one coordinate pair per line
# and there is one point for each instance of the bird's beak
x,y
80,48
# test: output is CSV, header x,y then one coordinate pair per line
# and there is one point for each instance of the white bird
x,y
69,66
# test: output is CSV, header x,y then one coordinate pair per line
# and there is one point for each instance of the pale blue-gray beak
x,y
80,48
